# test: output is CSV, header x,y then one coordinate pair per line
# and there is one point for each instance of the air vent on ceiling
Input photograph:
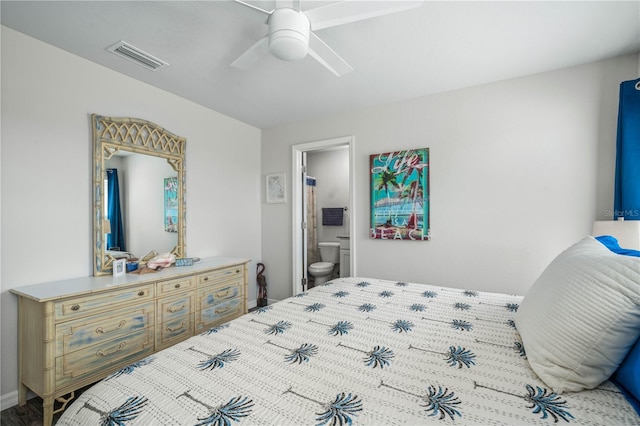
x,y
136,55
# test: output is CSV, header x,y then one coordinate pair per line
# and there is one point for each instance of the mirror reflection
x,y
138,186
139,210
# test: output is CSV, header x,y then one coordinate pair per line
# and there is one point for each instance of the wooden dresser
x,y
75,332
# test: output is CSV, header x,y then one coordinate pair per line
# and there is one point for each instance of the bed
x,y
354,351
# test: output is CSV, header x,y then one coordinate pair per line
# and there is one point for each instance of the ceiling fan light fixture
x,y
288,34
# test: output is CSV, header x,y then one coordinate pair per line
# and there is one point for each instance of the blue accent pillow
x,y
627,376
612,244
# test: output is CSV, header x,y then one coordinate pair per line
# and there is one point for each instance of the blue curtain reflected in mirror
x,y
115,239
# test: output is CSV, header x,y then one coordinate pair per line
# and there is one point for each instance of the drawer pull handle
x,y
237,271
75,307
101,330
141,293
173,309
177,285
223,310
206,278
221,294
169,329
116,350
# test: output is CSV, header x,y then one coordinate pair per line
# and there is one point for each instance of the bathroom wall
x,y
331,170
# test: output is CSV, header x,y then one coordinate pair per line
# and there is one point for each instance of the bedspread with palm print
x,y
353,351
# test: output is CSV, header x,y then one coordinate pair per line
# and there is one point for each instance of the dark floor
x,y
30,414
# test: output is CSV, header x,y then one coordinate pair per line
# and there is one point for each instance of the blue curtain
x,y
116,237
626,202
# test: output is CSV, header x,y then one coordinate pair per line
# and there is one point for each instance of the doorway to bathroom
x,y
323,184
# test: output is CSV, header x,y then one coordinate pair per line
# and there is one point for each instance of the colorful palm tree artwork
x,y
300,354
385,180
337,412
455,324
338,329
132,367
214,329
511,307
542,401
234,410
379,356
126,412
275,329
439,402
456,356
414,192
518,347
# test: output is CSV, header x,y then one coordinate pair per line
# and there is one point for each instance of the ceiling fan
x,y
290,34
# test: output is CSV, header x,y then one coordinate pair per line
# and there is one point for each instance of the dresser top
x,y
86,285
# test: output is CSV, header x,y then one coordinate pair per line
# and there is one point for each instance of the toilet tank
x,y
329,252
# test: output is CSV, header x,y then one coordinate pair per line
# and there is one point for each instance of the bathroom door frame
x,y
298,249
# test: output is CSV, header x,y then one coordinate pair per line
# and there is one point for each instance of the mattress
x,y
353,351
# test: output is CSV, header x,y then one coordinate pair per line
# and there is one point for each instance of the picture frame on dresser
x,y
119,267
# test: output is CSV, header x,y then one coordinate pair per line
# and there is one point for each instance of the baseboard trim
x,y
8,400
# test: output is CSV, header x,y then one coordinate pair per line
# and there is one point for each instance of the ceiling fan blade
x,y
251,55
327,57
348,11
245,9
285,3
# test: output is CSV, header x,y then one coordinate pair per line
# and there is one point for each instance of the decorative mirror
x,y
138,186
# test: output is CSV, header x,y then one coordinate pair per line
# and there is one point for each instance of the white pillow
x,y
581,316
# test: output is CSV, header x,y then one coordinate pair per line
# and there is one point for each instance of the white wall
x,y
47,98
331,170
519,170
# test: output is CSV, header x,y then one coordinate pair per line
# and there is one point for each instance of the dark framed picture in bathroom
x,y
400,195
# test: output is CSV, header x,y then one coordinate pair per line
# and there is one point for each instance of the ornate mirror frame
x,y
111,135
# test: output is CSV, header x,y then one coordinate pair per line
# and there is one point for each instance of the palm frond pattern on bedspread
x,y
353,351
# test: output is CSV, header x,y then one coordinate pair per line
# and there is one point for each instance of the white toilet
x,y
330,258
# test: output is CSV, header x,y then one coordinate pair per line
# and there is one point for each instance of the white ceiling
x,y
438,47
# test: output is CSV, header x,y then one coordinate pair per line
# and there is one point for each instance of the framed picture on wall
x,y
400,195
276,188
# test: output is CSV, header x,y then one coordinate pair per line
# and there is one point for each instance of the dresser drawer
x,y
168,287
172,308
210,296
81,333
175,330
226,310
92,304
122,351
221,275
